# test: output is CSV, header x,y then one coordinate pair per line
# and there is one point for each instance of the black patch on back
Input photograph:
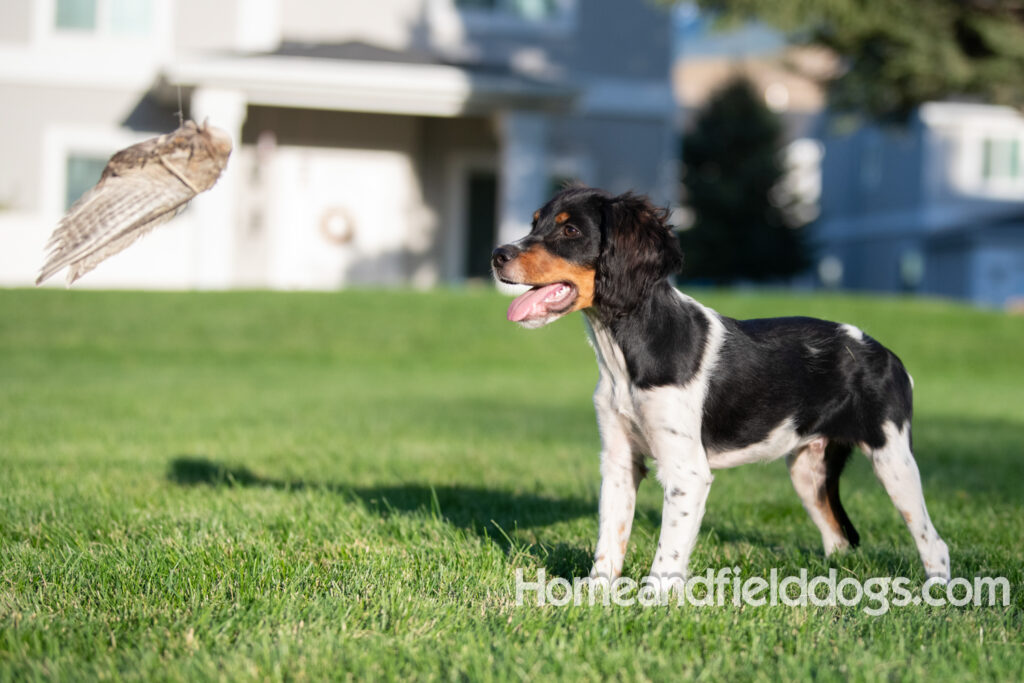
x,y
806,369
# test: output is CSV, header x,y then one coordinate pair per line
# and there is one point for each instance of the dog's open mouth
x,y
541,302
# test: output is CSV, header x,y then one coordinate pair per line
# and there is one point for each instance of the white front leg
x,y
687,481
621,473
673,428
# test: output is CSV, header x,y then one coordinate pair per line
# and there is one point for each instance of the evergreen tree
x,y
733,167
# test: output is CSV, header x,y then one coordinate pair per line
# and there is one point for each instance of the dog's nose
x,y
501,256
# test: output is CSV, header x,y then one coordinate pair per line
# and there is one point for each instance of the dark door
x,y
481,219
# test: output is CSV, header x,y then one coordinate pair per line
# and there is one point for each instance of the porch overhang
x,y
413,89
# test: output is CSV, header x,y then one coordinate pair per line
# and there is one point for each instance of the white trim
x,y
451,23
960,113
374,87
88,59
259,28
85,68
955,136
969,172
101,40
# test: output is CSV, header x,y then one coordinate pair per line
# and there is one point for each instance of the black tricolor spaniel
x,y
696,391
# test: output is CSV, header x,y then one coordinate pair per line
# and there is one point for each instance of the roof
x,y
366,78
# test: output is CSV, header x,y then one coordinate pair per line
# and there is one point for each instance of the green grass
x,y
302,486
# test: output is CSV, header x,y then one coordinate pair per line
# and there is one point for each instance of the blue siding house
x,y
933,207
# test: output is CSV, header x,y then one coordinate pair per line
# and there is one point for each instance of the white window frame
x,y
996,145
973,149
955,137
452,21
158,43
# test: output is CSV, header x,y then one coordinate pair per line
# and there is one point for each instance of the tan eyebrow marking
x,y
562,217
536,214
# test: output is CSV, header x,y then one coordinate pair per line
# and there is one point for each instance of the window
x,y
131,17
1000,159
76,15
82,171
122,18
533,10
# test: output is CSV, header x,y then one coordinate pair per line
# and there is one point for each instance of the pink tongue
x,y
531,304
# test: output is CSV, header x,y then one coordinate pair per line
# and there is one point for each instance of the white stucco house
x,y
385,143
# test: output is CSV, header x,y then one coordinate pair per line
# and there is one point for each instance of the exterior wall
x,y
15,21
870,171
214,31
997,267
630,41
49,119
496,38
245,25
393,24
620,154
948,269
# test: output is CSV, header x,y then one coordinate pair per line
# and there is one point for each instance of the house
x,y
935,206
385,143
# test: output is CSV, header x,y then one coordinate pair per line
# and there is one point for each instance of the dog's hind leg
x,y
836,455
815,470
894,466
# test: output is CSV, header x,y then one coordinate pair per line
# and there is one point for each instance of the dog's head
x,y
588,249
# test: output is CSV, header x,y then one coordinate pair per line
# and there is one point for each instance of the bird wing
x,y
141,187
112,215
86,263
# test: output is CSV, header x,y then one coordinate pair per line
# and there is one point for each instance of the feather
x,y
142,187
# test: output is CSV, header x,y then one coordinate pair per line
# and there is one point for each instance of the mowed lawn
x,y
260,486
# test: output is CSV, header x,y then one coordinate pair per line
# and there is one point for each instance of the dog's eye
x,y
571,231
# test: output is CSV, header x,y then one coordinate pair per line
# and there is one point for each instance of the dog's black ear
x,y
638,250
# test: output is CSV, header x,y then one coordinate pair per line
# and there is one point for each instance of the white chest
x,y
615,396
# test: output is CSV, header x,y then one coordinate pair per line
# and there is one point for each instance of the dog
x,y
695,391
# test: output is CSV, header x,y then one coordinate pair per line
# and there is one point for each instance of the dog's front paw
x,y
936,564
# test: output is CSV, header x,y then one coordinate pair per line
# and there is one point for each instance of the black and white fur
x,y
697,391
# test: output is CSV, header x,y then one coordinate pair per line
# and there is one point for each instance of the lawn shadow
x,y
494,513
960,459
